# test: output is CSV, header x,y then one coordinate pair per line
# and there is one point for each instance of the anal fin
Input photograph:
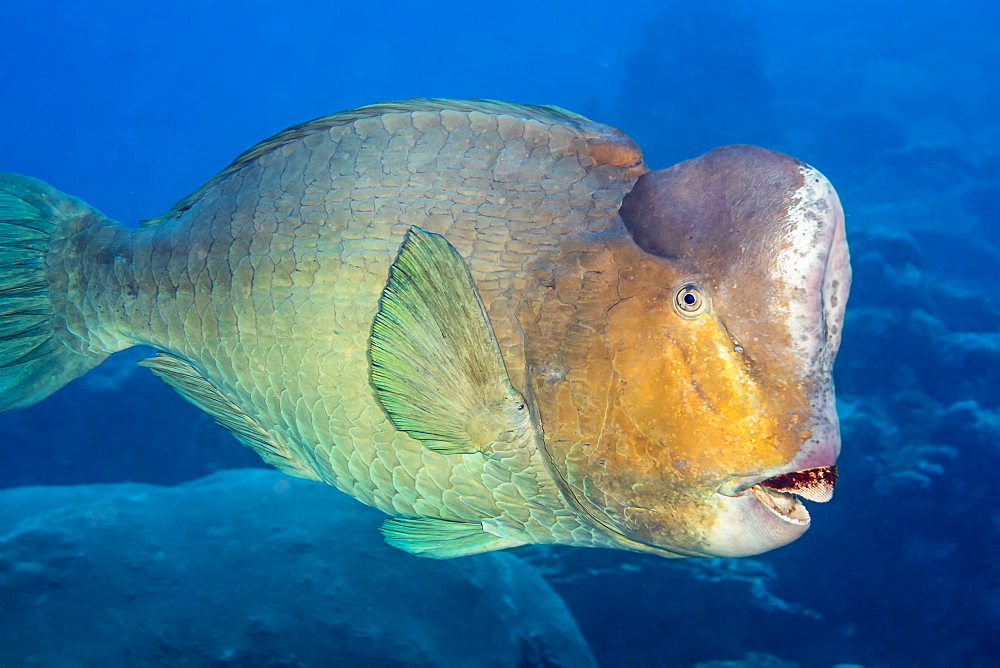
x,y
190,384
441,539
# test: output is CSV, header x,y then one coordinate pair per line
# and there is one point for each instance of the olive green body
x,y
267,280
472,315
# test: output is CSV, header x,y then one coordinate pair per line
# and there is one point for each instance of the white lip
x,y
786,507
759,513
746,524
812,484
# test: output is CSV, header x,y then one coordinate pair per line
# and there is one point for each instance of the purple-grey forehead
x,y
721,208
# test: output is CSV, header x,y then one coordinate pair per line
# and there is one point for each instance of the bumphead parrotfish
x,y
490,321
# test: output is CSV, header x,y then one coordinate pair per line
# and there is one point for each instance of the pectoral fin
x,y
436,366
441,539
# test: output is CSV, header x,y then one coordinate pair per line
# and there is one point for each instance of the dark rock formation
x,y
253,568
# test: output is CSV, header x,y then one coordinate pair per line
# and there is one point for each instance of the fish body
x,y
445,310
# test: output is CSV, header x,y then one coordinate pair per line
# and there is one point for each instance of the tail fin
x,y
34,360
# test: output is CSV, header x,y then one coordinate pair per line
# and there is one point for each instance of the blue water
x,y
130,106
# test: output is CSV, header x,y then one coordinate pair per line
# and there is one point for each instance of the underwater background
x,y
131,106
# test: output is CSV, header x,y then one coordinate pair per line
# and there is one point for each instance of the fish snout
x,y
758,513
749,524
765,510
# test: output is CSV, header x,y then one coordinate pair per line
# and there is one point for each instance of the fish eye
x,y
689,300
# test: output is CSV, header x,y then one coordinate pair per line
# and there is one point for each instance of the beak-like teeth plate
x,y
811,484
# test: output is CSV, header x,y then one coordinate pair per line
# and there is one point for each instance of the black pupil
x,y
690,299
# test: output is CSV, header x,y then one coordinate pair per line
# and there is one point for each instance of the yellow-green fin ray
x,y
190,384
436,366
441,539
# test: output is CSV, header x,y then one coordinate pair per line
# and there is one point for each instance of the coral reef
x,y
253,568
751,660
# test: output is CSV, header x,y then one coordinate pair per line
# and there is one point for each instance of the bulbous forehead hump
x,y
765,233
725,208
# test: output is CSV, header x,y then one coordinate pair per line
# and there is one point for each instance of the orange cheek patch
x,y
646,413
685,389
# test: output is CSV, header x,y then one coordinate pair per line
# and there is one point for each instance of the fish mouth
x,y
783,494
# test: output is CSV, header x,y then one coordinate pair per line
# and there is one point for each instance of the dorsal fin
x,y
547,114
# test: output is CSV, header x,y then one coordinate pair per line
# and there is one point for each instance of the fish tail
x,y
38,354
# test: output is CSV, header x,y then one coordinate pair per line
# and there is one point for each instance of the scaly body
x,y
261,288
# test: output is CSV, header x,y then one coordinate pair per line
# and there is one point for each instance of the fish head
x,y
717,349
